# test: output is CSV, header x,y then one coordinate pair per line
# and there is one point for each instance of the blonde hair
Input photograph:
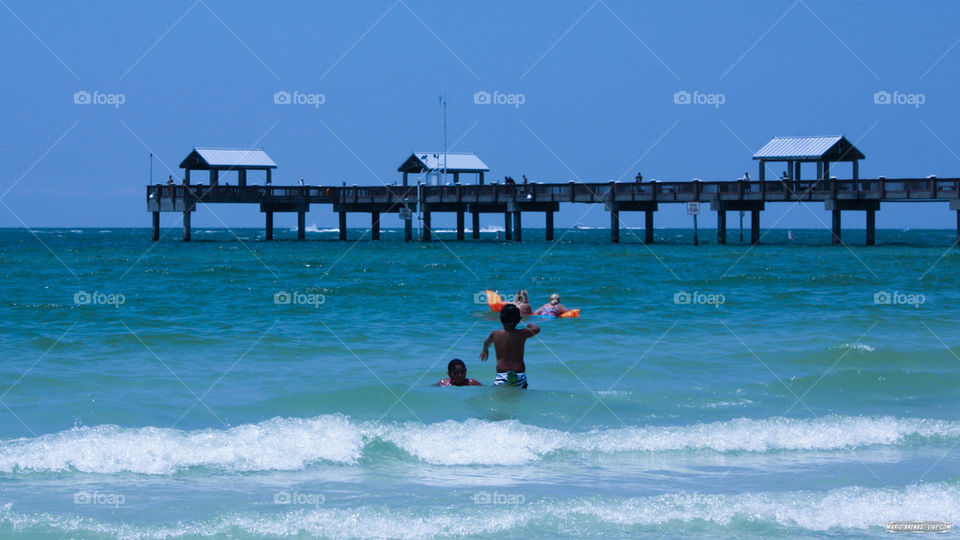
x,y
521,297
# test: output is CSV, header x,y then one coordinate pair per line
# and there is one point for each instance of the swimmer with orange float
x,y
521,300
553,308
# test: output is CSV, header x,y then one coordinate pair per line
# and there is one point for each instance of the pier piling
x,y
755,226
835,229
549,225
301,225
156,226
460,225
374,225
507,226
186,226
518,226
475,225
426,226
268,227
648,227
342,225
721,227
614,224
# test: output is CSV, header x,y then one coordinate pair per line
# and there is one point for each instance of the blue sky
x,y
597,80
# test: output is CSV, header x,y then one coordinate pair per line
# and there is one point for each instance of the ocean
x,y
231,387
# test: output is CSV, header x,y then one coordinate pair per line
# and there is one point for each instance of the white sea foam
x,y
312,228
854,510
857,347
293,444
277,444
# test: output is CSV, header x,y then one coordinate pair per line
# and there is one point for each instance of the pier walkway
x,y
513,200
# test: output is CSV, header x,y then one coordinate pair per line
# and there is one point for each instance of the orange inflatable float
x,y
496,303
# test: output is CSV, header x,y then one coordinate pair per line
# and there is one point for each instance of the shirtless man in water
x,y
509,344
552,309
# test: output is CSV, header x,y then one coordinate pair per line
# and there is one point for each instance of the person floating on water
x,y
522,301
509,344
553,308
457,375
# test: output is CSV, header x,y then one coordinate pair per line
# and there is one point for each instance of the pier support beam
x,y
475,225
955,205
835,229
721,227
301,225
342,226
722,207
408,230
156,226
186,226
614,224
648,227
518,226
837,206
426,226
268,226
460,226
507,226
374,225
549,226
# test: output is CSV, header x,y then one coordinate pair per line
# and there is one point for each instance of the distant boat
x,y
789,235
580,227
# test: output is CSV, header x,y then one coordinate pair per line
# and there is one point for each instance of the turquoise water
x,y
158,389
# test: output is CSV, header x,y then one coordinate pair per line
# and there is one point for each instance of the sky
x,y
581,91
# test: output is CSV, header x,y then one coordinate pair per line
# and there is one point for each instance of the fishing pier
x,y
512,200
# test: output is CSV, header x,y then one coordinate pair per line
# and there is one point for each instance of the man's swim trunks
x,y
511,378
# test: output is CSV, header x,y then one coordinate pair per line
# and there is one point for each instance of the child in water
x,y
509,344
457,375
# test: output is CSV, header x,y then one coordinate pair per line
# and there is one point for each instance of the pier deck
x,y
512,200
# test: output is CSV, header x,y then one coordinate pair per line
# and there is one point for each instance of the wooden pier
x,y
513,200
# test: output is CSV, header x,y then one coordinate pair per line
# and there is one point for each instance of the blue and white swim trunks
x,y
511,378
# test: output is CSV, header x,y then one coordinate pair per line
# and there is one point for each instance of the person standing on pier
x,y
639,177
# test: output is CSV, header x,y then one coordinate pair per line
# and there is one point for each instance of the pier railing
x,y
691,191
586,192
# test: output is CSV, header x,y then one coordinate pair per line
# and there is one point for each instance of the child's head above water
x,y
457,371
510,315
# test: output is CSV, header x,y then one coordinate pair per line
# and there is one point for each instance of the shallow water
x,y
153,390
